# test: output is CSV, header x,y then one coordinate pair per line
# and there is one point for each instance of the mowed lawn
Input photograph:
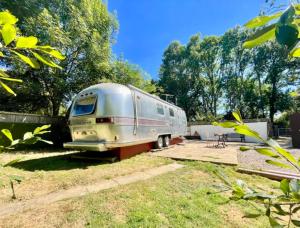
x,y
175,199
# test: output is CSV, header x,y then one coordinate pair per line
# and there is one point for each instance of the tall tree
x,y
83,30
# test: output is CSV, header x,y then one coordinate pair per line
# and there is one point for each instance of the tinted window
x,y
84,106
160,109
171,111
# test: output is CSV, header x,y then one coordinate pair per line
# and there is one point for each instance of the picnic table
x,y
221,140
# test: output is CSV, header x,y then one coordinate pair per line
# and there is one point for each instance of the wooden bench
x,y
235,136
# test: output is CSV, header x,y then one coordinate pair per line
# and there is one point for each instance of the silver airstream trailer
x,y
108,116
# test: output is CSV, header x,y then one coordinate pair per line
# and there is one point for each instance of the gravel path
x,y
253,160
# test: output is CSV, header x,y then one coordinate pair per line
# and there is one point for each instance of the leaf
x,y
267,152
11,79
12,162
250,215
279,164
279,210
1,54
46,141
245,130
295,93
8,134
237,116
31,62
294,185
227,124
296,209
261,20
284,186
296,222
16,178
26,42
223,177
45,60
8,33
286,154
244,148
15,142
295,52
55,54
7,18
40,129
28,135
274,223
7,88
260,37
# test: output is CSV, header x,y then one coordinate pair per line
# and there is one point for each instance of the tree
x,y
25,50
179,75
83,30
124,72
235,61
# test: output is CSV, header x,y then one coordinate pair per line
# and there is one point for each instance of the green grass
x,y
176,199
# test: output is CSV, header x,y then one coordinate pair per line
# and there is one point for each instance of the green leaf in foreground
x,y
8,33
26,42
16,178
245,130
227,124
31,62
8,134
266,152
279,164
45,60
286,154
260,37
7,18
237,116
41,130
244,148
7,88
285,186
261,20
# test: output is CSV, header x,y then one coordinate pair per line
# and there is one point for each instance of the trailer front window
x,y
84,106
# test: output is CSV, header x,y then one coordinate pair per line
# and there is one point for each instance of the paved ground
x,y
230,155
202,151
78,191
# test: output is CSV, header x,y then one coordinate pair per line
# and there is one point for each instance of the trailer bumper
x,y
90,146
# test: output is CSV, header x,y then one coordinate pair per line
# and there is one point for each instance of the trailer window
x,y
84,106
160,109
171,111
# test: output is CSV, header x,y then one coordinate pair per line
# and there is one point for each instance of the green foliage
x,y
276,206
82,30
123,72
28,138
14,46
285,29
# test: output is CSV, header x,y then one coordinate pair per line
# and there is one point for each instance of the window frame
x,y
89,113
160,108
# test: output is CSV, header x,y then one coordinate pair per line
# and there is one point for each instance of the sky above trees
x,y
147,27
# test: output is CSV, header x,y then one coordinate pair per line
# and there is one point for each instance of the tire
x,y
166,141
159,143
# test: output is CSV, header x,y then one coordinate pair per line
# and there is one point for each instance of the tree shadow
x,y
79,160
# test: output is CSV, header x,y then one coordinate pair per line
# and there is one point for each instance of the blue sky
x,y
148,26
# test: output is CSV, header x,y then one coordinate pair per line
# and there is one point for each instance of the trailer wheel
x,y
166,141
159,143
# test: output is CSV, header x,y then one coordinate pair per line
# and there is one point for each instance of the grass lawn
x,y
176,199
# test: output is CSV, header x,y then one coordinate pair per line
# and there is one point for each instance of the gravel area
x,y
253,160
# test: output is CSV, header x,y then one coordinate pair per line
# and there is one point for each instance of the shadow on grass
x,y
80,160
